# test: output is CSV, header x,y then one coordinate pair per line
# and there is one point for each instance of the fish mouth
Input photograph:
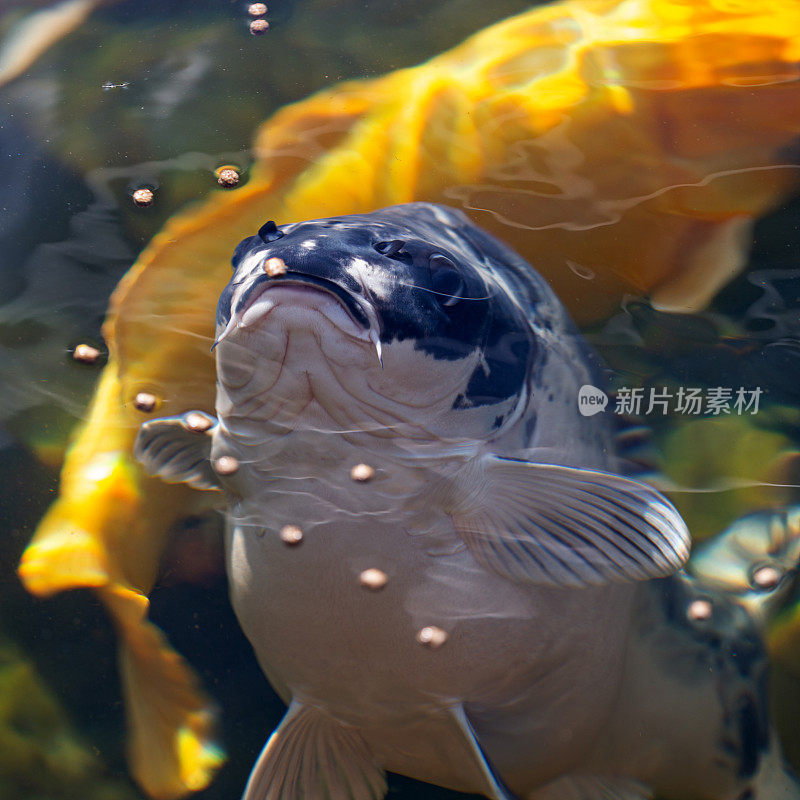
x,y
351,305
253,304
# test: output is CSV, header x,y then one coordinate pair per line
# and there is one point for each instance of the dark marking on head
x,y
424,274
223,315
460,402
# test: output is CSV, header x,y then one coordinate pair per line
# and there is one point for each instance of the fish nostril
x,y
389,248
269,232
394,250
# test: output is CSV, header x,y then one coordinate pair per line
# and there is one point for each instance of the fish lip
x,y
351,305
264,283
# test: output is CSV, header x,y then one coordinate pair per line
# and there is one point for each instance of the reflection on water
x,y
160,95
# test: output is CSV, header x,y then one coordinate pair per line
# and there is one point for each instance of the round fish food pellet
x,y
700,610
373,579
431,636
275,267
766,577
143,197
228,177
257,9
197,422
144,401
362,473
86,354
226,465
258,27
291,535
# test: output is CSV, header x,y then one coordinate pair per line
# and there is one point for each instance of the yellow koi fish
x,y
621,146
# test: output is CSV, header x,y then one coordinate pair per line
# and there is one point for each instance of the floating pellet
x,y
431,636
274,267
374,579
362,473
228,177
258,27
226,465
766,577
257,9
86,354
144,401
291,535
143,197
197,422
699,610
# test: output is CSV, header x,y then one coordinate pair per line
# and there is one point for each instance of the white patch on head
x,y
442,216
379,281
251,262
308,244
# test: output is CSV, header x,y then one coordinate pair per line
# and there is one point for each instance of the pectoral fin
x,y
313,757
566,526
494,786
178,449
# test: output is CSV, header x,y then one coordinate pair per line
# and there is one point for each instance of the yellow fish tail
x,y
172,748
106,531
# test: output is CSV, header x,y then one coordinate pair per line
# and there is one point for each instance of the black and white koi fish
x,y
434,555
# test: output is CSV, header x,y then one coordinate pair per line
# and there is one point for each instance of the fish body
x,y
534,635
465,389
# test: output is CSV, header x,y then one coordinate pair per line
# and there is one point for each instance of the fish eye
x,y
446,280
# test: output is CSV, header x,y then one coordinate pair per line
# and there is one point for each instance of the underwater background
x,y
161,94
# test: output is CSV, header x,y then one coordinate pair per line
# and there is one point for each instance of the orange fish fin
x,y
716,255
65,557
172,747
68,550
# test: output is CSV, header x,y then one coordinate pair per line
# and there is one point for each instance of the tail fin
x,y
172,749
106,531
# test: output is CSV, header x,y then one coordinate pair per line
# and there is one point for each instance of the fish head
x,y
392,323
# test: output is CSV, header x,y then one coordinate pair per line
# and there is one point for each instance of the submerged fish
x,y
434,555
584,133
